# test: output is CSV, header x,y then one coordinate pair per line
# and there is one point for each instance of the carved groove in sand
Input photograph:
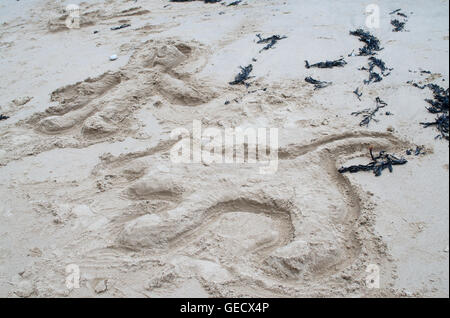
x,y
270,228
102,106
92,17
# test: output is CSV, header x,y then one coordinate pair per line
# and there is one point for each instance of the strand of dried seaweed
x,y
372,44
243,76
328,64
438,105
369,114
317,84
377,165
271,41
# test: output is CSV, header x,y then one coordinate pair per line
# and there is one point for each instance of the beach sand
x,y
88,186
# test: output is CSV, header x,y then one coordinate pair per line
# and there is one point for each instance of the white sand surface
x,y
86,177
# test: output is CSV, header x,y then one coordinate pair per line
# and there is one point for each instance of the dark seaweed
x,y
317,84
398,25
357,93
374,76
234,3
438,105
395,11
377,165
372,43
374,62
120,27
271,41
3,117
442,124
328,64
417,152
369,114
243,76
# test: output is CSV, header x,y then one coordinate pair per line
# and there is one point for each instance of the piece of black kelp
x,y
234,3
243,76
377,165
417,85
395,11
417,152
374,76
3,117
328,64
372,43
317,84
442,124
398,25
438,105
271,41
374,62
121,27
399,13
369,114
357,93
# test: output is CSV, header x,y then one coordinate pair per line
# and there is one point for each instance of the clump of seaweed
x,y
398,24
317,84
375,77
243,76
270,41
372,43
442,124
438,105
419,151
395,11
234,3
358,93
369,114
3,117
374,62
377,165
328,64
